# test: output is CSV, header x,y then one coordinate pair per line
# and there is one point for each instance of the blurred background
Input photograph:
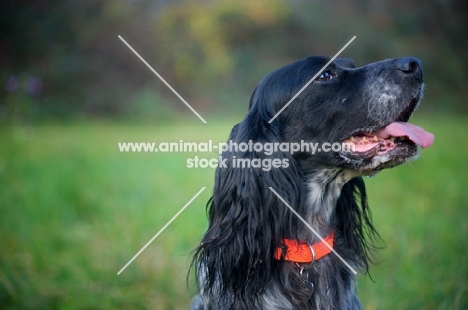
x,y
74,210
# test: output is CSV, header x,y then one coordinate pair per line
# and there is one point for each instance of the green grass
x,y
74,211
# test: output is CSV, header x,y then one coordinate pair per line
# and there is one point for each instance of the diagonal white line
x,y
161,230
312,79
313,230
162,79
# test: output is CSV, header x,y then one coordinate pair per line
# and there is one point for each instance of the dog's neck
x,y
324,189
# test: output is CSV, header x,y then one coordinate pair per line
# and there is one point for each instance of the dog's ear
x,y
345,62
247,221
354,224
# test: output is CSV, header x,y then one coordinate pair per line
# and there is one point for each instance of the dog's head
x,y
363,109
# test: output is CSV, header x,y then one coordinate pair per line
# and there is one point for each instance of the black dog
x,y
258,254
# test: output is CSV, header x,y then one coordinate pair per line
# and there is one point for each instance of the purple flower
x,y
12,83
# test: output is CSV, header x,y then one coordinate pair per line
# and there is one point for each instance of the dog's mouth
x,y
388,146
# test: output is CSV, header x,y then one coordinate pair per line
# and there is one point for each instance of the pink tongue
x,y
400,129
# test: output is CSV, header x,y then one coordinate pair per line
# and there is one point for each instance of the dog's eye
x,y
326,76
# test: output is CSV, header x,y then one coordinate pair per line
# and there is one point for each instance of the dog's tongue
x,y
400,129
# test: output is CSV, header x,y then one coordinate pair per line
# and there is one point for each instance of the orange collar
x,y
301,252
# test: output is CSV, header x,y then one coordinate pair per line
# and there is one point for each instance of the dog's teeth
x,y
364,139
353,139
375,138
392,138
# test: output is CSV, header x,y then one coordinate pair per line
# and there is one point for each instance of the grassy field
x,y
74,211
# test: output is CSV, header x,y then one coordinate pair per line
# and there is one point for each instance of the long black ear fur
x,y
246,219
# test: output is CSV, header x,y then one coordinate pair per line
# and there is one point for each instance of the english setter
x,y
258,254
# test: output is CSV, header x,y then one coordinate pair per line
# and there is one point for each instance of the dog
x,y
259,254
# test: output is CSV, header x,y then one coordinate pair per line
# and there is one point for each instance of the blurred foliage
x,y
212,52
202,40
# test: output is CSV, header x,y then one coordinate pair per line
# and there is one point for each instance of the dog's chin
x,y
382,155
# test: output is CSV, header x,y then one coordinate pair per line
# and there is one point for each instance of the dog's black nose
x,y
410,65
